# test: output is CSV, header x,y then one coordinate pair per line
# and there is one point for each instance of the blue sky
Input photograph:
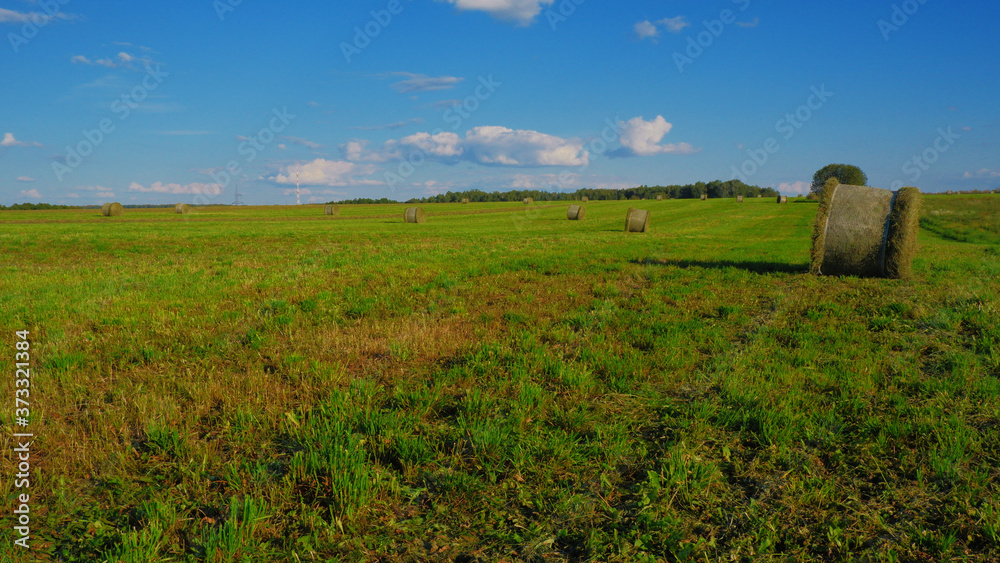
x,y
144,102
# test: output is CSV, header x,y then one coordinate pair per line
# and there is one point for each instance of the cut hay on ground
x,y
575,213
331,210
782,199
636,221
865,232
112,209
415,215
182,208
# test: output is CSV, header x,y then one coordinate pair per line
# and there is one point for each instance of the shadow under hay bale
x,y
782,199
415,215
865,232
575,213
182,208
112,209
331,210
636,221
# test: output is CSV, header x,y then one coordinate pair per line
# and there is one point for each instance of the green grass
x,y
501,384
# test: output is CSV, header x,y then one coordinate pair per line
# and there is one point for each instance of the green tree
x,y
844,173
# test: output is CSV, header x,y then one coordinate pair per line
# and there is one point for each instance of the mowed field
x,y
500,384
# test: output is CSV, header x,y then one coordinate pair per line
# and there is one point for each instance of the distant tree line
x,y
33,206
714,189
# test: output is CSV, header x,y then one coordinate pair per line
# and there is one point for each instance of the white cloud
x,y
304,142
522,12
983,173
357,151
494,145
26,179
177,189
121,60
641,138
105,194
416,83
10,141
31,193
322,172
645,30
443,145
800,187
674,25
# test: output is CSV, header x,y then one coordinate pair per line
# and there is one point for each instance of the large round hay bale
x,y
704,197
528,201
575,213
782,199
584,199
415,215
182,208
636,221
659,197
331,210
739,199
112,209
465,200
863,231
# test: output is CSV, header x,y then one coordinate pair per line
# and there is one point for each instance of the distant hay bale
x,y
528,201
866,232
704,197
636,221
575,213
415,215
759,196
112,209
465,200
332,210
782,199
584,199
739,199
659,197
182,208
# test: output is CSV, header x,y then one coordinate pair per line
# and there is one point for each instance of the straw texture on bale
x,y
782,199
112,209
739,199
636,221
575,213
416,215
331,210
584,199
866,232
704,197
528,201
182,208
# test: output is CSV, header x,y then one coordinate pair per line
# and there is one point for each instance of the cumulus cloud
x,y
444,146
639,137
121,60
983,173
31,193
322,172
651,30
801,187
177,189
521,12
358,151
9,141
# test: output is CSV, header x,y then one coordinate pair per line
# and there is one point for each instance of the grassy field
x,y
500,384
